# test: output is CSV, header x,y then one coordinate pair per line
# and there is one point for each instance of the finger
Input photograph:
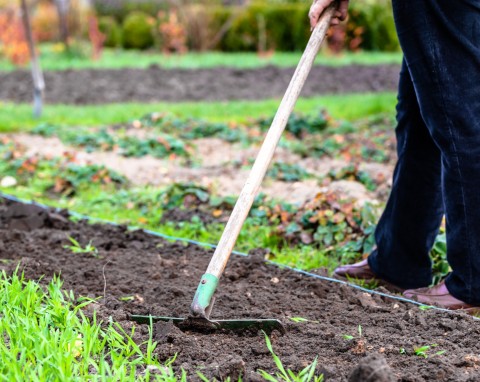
x,y
316,10
343,9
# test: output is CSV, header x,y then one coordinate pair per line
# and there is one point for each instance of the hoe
x,y
202,304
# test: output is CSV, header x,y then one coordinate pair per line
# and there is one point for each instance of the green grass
x,y
52,59
46,337
18,117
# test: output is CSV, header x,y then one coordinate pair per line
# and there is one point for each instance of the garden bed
x,y
217,84
138,273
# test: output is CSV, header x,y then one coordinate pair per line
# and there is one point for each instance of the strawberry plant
x,y
299,125
287,172
352,173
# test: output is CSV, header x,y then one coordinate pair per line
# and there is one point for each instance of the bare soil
x,y
97,86
162,278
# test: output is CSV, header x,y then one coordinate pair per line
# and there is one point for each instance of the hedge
x,y
284,25
112,31
287,27
138,31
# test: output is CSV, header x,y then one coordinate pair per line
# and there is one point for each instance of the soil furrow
x,y
97,86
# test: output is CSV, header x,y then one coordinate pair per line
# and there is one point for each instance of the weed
x,y
367,284
301,319
423,350
305,375
425,307
77,248
349,337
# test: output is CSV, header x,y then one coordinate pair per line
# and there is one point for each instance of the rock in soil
x,y
373,368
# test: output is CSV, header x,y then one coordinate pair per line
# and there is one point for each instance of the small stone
x,y
8,181
275,280
373,368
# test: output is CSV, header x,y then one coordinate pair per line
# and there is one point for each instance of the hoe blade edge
x,y
203,324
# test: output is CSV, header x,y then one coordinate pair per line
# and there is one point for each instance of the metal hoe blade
x,y
204,324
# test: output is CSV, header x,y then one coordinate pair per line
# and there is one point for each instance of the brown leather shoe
x,y
362,271
439,295
359,270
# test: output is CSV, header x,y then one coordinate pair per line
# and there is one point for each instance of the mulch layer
x,y
162,276
218,84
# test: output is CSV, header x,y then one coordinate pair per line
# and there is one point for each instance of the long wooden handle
x,y
265,155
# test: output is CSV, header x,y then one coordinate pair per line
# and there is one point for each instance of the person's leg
x,y
441,44
408,226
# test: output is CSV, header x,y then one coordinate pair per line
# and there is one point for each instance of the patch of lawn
x,y
53,59
46,337
18,117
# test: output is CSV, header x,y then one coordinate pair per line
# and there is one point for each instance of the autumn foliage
x,y
13,44
173,34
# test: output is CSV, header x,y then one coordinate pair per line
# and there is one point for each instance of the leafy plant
x,y
185,195
287,172
438,254
77,248
352,172
299,125
305,375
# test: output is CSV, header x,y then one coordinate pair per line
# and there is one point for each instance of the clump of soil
x,y
161,277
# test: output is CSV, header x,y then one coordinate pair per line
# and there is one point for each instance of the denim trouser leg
x,y
441,44
410,222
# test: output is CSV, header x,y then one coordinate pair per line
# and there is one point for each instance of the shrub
x,y
112,31
45,22
373,25
370,27
138,31
243,34
120,9
13,45
172,33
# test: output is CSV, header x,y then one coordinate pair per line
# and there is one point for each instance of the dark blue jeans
x,y
438,134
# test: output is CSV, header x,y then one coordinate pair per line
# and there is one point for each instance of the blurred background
x,y
83,29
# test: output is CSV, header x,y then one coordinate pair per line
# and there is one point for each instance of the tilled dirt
x,y
162,278
219,84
